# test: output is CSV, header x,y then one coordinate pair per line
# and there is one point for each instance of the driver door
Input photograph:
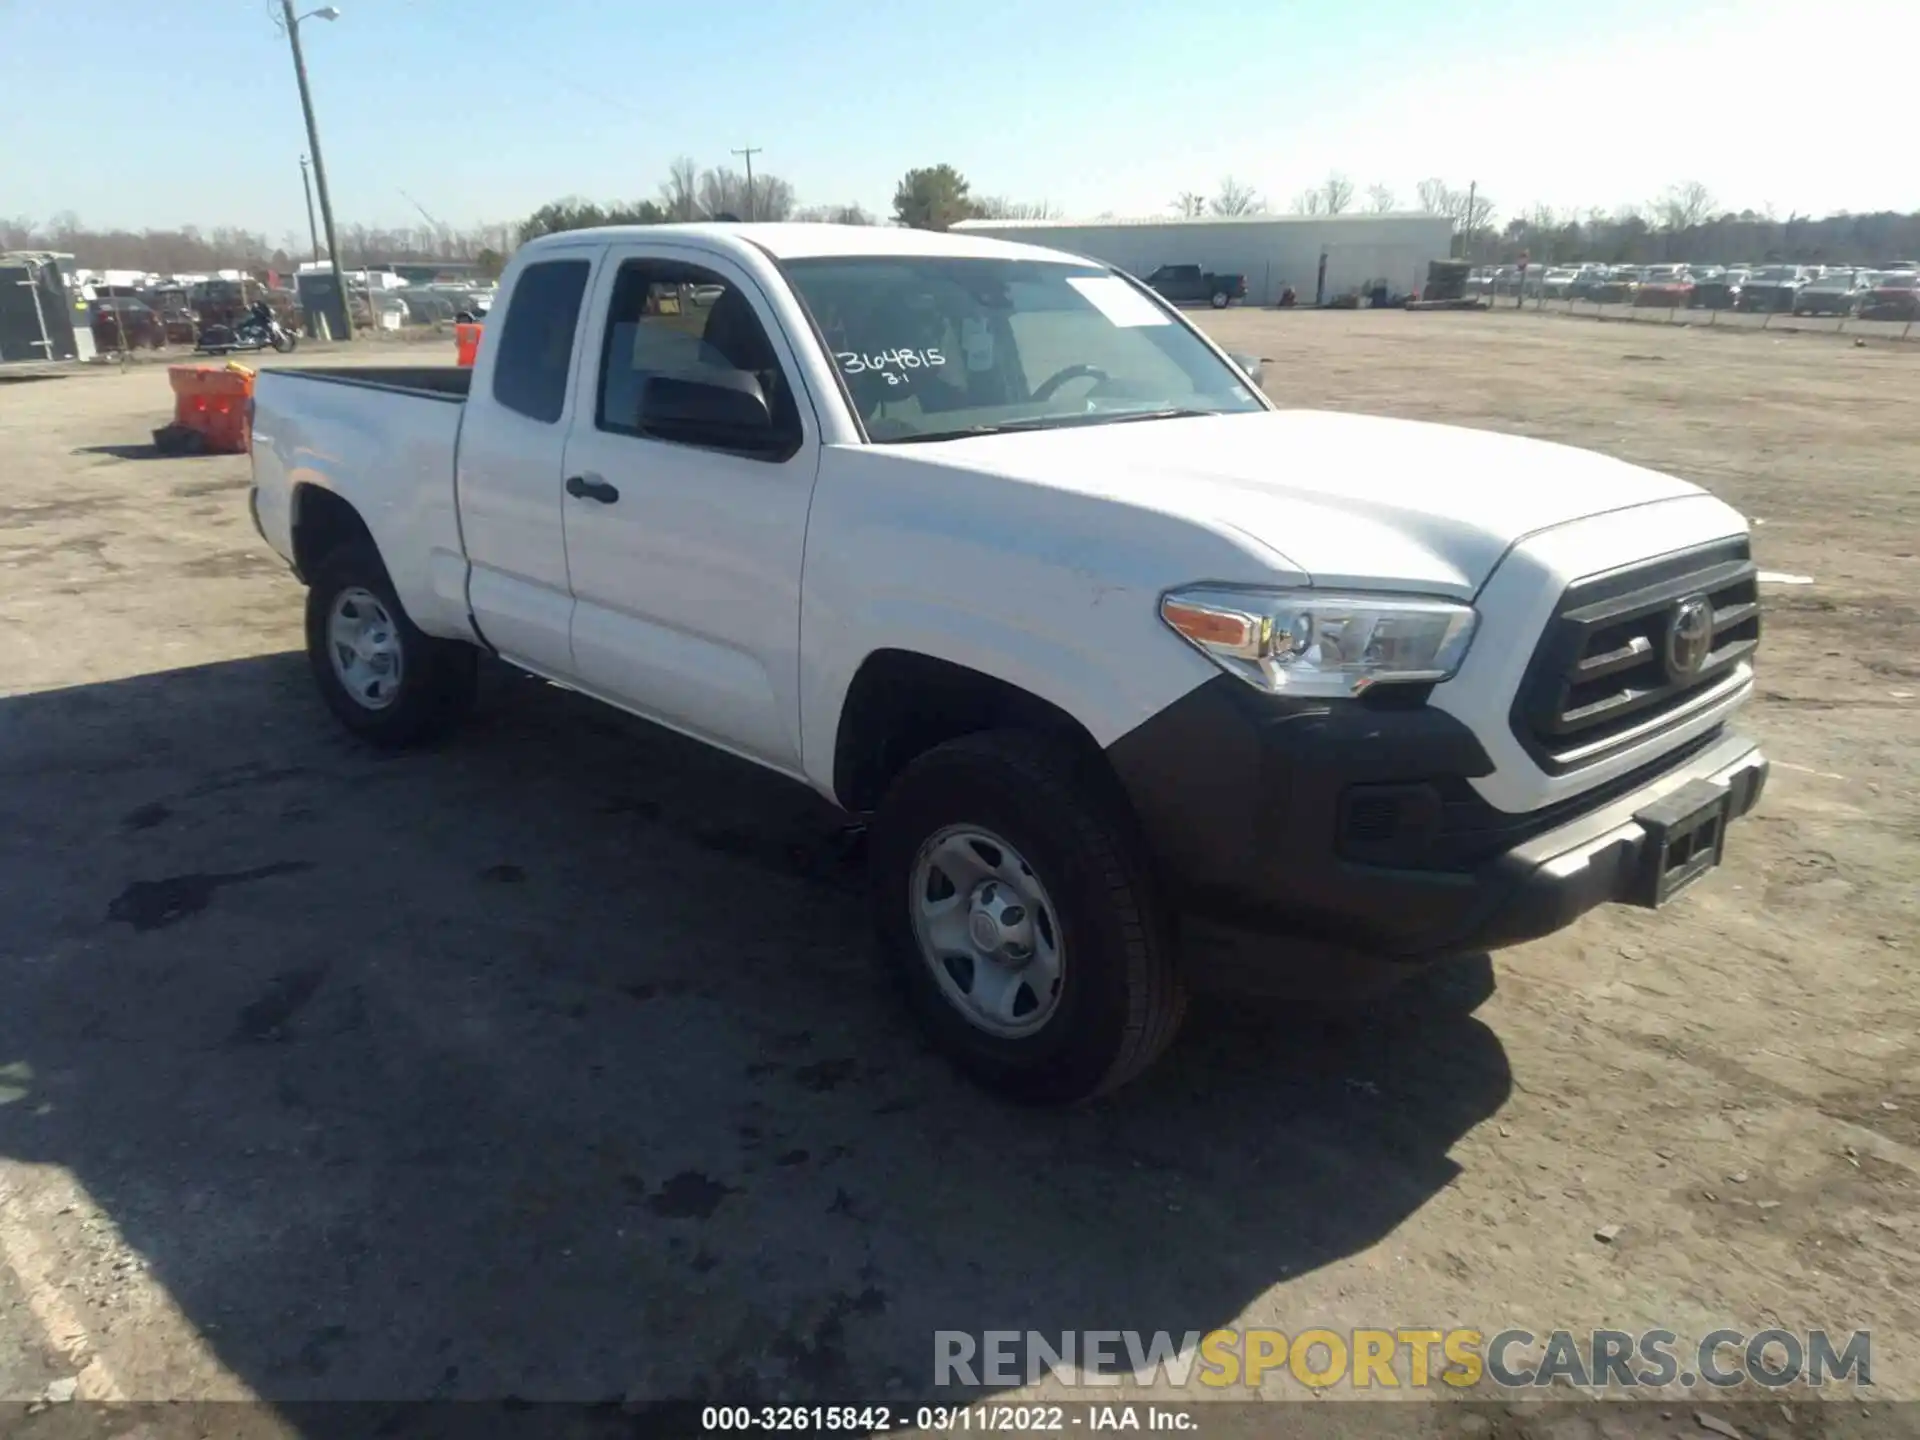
x,y
685,558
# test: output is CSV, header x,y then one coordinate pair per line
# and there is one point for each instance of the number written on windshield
x,y
854,363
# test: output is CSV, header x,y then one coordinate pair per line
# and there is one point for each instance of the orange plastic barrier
x,y
466,342
215,401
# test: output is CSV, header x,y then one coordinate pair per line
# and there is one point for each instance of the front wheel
x,y
382,677
1018,909
283,341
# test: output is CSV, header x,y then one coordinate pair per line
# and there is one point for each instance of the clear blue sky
x,y
485,109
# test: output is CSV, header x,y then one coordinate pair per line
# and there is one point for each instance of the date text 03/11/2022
x,y
938,1419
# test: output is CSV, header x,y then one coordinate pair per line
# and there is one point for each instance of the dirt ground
x,y
552,1063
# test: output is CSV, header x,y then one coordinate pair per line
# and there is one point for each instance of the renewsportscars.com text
x,y
1412,1358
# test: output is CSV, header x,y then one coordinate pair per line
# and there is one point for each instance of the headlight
x,y
1307,642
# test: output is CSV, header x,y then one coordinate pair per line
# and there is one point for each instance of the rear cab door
x,y
508,465
685,552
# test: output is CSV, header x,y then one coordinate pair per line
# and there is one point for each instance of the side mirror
x,y
723,408
1250,364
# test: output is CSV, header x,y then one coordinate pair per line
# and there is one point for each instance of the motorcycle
x,y
254,332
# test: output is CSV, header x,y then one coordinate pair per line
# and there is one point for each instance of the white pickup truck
x,y
1142,682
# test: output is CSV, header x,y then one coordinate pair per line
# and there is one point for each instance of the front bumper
x,y
1250,808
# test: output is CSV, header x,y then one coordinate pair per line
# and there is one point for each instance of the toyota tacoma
x,y
1142,682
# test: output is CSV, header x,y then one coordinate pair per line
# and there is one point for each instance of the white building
x,y
1272,251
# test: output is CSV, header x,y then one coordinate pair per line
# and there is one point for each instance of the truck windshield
x,y
932,348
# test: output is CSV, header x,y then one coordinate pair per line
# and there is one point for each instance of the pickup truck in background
x,y
1190,285
1141,682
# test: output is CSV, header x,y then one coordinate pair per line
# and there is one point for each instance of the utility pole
x,y
319,166
313,230
749,152
1466,245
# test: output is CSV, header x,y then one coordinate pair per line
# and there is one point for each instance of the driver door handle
x,y
591,487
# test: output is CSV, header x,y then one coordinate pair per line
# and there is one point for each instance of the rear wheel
x,y
1018,910
381,676
1220,299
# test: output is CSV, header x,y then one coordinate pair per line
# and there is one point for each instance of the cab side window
x,y
672,322
536,342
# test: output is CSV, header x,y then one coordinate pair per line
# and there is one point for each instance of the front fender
x,y
1055,593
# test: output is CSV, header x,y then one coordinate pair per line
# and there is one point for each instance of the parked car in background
x,y
1894,295
179,324
1838,292
393,311
1189,284
1715,288
122,323
1772,288
1621,284
1670,286
221,302
1510,280
428,306
1556,283
1586,280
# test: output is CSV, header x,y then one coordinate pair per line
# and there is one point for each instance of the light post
x,y
750,151
325,12
313,229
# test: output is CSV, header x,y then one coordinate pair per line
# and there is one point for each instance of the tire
x,y
436,681
1118,1000
283,342
1220,299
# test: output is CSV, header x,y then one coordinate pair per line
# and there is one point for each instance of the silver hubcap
x,y
987,931
364,645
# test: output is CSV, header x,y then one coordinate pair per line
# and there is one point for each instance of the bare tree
x,y
724,192
1380,199
1469,210
1233,198
680,191
1190,204
1684,206
1309,202
998,207
833,215
1337,191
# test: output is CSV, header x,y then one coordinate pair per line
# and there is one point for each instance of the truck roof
x,y
797,241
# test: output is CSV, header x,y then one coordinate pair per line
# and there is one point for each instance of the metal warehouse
x,y
1272,251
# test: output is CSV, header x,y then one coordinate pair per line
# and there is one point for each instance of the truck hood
x,y
1348,500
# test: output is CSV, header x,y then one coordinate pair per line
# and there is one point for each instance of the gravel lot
x,y
552,1063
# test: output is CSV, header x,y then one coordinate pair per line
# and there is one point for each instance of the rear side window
x,y
536,342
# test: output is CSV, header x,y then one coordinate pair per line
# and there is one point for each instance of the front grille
x,y
1608,671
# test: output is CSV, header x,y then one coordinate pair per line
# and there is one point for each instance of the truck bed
x,y
387,434
441,382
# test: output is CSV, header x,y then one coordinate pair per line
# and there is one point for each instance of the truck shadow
x,y
554,1064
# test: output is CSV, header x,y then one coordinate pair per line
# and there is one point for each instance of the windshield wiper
x,y
1050,422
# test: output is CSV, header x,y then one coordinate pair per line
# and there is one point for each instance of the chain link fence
x,y
1663,311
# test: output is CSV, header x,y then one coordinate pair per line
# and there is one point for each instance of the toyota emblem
x,y
1689,637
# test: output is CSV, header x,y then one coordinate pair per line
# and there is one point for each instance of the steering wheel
x,y
1044,390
